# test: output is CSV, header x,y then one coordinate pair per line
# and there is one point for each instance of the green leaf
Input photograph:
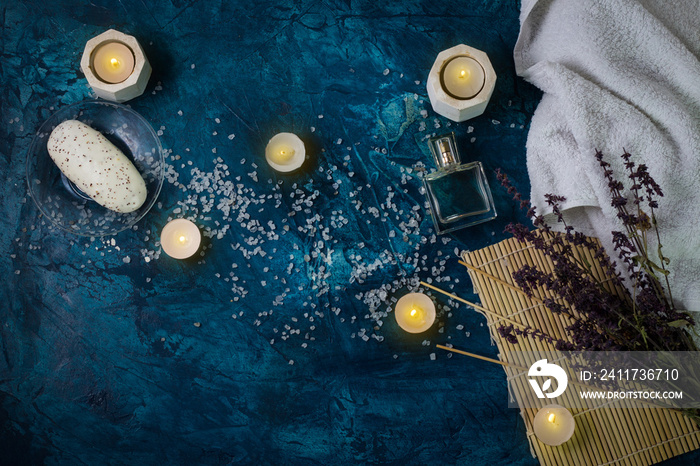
x,y
651,266
680,323
664,259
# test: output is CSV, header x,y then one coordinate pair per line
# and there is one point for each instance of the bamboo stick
x,y
497,280
472,355
468,303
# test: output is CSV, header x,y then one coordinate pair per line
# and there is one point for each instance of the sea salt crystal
x,y
385,72
432,356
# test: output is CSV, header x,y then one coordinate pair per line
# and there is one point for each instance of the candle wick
x,y
462,74
114,62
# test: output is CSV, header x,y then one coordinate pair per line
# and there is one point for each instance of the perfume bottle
x,y
458,193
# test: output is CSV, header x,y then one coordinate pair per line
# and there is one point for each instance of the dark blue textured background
x,y
101,361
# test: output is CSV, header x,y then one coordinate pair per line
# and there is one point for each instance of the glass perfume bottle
x,y
458,193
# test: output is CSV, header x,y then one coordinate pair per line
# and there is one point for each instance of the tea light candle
x,y
415,312
285,152
113,62
554,425
115,66
461,82
180,238
462,77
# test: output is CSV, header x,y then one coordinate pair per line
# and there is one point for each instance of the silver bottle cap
x,y
444,150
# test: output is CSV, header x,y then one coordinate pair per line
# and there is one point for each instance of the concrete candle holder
x,y
134,85
455,105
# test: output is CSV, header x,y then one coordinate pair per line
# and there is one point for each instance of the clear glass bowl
x,y
61,201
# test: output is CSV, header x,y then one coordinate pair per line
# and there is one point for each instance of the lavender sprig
x,y
643,319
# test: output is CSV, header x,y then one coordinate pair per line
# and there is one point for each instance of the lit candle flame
x,y
114,62
463,73
551,418
182,239
413,312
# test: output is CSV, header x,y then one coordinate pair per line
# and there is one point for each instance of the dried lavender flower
x,y
644,317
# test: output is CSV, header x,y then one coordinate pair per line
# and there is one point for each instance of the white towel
x,y
618,74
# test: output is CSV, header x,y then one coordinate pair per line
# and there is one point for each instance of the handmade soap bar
x,y
96,166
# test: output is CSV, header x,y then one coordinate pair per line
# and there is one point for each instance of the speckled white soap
x,y
97,166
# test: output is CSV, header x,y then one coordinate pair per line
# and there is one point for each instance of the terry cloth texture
x,y
618,74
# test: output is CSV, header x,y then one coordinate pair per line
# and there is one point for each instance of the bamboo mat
x,y
613,434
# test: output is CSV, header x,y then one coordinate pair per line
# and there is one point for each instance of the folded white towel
x,y
618,74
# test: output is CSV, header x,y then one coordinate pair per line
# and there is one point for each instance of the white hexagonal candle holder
x,y
461,82
115,66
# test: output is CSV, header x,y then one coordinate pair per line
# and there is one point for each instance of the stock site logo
x,y
543,369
